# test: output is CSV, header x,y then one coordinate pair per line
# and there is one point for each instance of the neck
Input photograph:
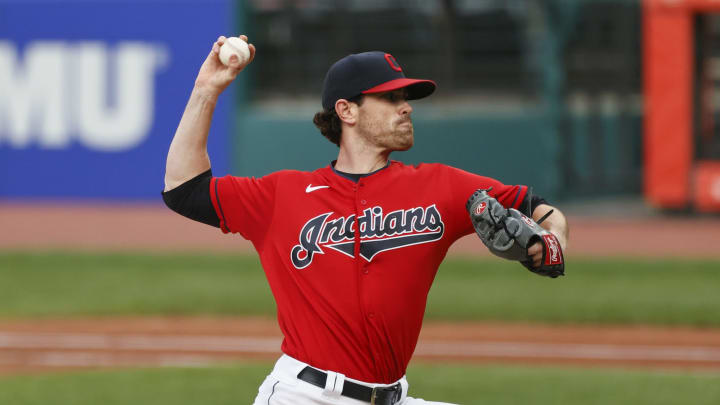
x,y
361,162
358,156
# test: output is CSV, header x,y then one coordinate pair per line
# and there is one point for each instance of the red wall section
x,y
668,105
707,186
668,79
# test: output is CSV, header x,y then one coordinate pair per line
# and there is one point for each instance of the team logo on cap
x,y
393,63
480,208
378,233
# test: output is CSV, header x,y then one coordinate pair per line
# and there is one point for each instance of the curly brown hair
x,y
329,123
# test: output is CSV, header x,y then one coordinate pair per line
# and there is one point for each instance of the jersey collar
x,y
355,177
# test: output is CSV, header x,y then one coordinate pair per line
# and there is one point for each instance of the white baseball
x,y
234,46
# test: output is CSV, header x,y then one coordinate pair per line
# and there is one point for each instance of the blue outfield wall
x,y
515,149
91,93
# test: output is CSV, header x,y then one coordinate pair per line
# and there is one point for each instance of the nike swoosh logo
x,y
310,188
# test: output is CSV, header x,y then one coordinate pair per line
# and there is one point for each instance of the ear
x,y
346,111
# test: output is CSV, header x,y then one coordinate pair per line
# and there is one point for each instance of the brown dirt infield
x,y
30,226
53,345
42,345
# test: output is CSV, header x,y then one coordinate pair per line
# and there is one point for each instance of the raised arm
x,y
188,155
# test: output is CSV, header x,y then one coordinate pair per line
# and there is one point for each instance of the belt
x,y
375,396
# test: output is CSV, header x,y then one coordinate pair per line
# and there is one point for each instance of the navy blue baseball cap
x,y
369,72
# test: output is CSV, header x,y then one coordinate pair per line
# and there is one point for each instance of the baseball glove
x,y
508,233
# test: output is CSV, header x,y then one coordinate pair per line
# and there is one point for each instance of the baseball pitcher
x,y
350,250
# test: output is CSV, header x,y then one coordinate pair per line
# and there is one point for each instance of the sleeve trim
x,y
519,197
218,206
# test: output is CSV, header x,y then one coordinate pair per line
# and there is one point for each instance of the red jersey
x,y
353,302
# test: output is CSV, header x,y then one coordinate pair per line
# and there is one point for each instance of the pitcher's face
x,y
384,120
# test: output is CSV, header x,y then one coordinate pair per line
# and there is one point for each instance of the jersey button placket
x,y
365,266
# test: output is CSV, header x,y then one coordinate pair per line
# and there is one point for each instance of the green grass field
x,y
594,291
497,385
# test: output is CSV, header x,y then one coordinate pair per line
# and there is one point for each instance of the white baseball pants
x,y
282,387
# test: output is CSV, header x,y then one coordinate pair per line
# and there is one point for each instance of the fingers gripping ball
x,y
508,233
234,46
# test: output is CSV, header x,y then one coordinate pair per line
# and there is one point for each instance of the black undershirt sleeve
x,y
535,201
528,205
192,200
